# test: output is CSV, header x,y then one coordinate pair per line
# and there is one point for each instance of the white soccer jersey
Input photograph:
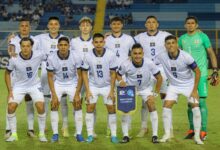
x,y
152,45
16,43
99,67
64,69
121,46
81,46
47,43
26,70
139,76
178,70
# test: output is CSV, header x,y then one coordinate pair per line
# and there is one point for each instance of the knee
x,y
151,105
111,109
11,108
90,108
40,107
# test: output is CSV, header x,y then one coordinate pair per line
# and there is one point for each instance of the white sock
x,y
89,123
112,124
30,114
41,122
171,120
144,115
46,104
64,110
12,122
196,121
94,118
166,119
78,121
154,122
129,122
54,121
108,125
124,119
7,127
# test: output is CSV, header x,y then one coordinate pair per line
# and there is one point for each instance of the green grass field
x,y
180,124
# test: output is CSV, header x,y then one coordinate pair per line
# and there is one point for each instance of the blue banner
x,y
126,99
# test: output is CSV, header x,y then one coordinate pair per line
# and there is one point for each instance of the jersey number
x,y
117,54
65,76
99,73
152,51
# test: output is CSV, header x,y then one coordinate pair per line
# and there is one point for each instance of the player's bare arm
x,y
194,93
78,89
54,102
113,78
86,83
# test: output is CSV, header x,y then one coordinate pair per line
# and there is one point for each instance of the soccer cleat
x,y
203,135
155,139
190,134
12,138
198,141
65,132
142,132
31,134
125,139
7,133
55,138
108,132
114,139
165,138
90,139
79,138
42,138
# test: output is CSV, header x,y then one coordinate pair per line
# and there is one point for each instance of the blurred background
x,y
170,13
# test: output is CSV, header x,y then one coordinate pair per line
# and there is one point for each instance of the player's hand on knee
x,y
195,95
10,96
111,96
88,96
77,101
54,101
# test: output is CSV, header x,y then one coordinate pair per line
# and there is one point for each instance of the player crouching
x,y
25,66
64,66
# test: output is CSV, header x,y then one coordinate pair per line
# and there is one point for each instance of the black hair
x,y
149,17
98,35
27,39
192,17
54,18
136,45
64,38
170,37
116,19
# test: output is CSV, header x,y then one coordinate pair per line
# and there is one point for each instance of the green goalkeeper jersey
x,y
196,45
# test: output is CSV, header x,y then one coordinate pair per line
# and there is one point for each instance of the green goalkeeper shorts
x,y
203,87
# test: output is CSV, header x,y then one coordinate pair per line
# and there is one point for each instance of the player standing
x,y
101,65
25,66
13,50
179,67
138,72
82,45
121,44
64,65
197,44
48,42
152,42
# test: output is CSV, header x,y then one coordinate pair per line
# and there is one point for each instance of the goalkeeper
x,y
198,45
